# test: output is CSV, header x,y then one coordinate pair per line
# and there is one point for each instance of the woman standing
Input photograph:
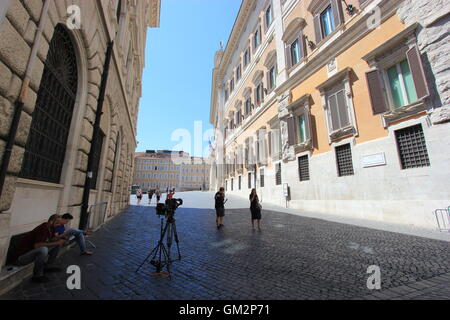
x,y
255,209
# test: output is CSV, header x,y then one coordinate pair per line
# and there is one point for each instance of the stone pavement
x,y
293,257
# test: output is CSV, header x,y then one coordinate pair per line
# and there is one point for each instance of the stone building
x,y
337,107
52,55
170,169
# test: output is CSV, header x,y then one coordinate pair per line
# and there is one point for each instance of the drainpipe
x,y
84,216
22,97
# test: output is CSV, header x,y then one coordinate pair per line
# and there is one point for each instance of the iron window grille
x,y
412,147
46,145
344,160
303,168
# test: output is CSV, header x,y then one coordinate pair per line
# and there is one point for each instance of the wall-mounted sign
x,y
332,67
373,160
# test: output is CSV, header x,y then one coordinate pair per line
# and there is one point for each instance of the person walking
x,y
158,196
150,195
255,209
220,207
139,195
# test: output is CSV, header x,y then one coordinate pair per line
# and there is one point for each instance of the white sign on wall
x,y
373,160
285,190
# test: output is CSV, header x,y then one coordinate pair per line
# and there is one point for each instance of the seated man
x,y
36,245
61,233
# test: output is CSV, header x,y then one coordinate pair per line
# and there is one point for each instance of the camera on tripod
x,y
168,209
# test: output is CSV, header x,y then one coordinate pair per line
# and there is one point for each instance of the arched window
x,y
46,146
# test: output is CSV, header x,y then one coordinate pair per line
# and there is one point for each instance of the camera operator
x,y
220,207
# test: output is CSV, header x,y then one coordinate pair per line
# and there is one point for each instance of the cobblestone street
x,y
293,257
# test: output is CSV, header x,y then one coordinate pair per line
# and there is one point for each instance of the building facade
x,y
52,58
162,169
338,107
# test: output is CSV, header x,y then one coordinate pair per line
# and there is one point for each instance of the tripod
x,y
160,255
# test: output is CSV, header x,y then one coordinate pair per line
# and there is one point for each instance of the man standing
x,y
220,207
61,233
36,245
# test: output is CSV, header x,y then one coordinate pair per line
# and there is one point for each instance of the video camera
x,y
168,209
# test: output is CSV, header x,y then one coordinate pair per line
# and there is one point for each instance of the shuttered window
x,y
303,168
272,78
412,147
344,160
338,108
405,84
327,20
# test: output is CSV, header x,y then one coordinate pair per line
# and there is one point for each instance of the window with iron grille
x,y
46,145
303,168
412,147
97,156
278,174
261,172
344,160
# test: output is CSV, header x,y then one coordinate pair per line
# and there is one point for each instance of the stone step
x,y
12,276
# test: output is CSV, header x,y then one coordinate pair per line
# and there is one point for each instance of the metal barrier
x,y
443,219
97,215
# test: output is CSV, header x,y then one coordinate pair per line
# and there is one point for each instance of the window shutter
x,y
268,84
304,47
377,100
336,6
308,130
416,66
333,109
343,109
291,131
317,28
288,56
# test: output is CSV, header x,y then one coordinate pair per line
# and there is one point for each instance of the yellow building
x,y
336,107
165,169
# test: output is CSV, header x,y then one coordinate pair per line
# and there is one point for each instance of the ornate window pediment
x,y
294,27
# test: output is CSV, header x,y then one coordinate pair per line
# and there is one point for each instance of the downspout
x,y
22,97
84,216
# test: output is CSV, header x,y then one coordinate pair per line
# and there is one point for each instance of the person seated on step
x,y
62,233
38,245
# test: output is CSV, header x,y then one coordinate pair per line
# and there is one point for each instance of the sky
x,y
176,86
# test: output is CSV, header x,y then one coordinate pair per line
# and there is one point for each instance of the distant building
x,y
170,169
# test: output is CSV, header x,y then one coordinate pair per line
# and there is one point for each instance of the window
x,y
398,80
278,174
337,105
231,85
344,160
247,57
268,17
239,182
327,21
257,38
226,185
272,78
301,128
401,85
249,180
412,147
259,94
119,10
261,178
238,72
328,15
45,149
248,107
303,168
226,95
295,52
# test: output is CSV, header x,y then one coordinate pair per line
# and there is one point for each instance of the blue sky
x,y
177,77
